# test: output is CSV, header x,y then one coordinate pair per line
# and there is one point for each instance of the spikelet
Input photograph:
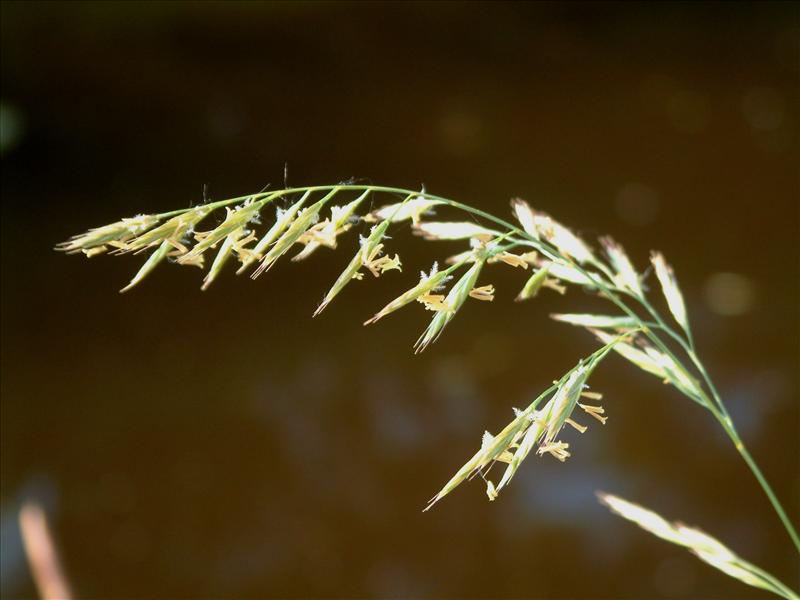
x,y
657,363
566,272
151,263
529,440
428,283
705,547
468,256
170,239
439,230
569,244
305,218
234,242
526,216
338,223
536,282
174,231
96,241
672,293
564,403
412,209
641,359
674,374
625,276
454,300
596,321
235,219
369,256
492,447
283,219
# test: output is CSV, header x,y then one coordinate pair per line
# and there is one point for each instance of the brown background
x,y
222,444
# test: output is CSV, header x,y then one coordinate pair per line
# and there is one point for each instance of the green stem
x,y
722,415
727,424
777,586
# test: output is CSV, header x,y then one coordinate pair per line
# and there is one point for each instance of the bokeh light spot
x,y
637,204
730,294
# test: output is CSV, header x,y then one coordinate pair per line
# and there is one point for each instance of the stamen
x,y
553,285
94,251
557,449
485,293
513,260
578,426
594,411
434,302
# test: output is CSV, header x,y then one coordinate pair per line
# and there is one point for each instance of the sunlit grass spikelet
x,y
437,230
235,220
672,293
596,321
452,303
705,547
96,241
283,219
305,218
536,282
368,256
151,263
625,275
413,209
526,216
429,282
339,222
174,230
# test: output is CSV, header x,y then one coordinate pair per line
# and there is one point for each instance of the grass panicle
x,y
550,255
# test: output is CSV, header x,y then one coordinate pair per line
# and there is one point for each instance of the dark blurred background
x,y
221,444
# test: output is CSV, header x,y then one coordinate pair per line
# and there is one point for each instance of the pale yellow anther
x,y
433,302
557,450
594,411
513,259
485,293
94,251
323,233
554,285
380,265
195,261
491,491
505,457
179,247
578,426
239,246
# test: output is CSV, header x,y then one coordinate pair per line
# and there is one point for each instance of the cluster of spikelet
x,y
299,223
555,256
534,428
308,219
